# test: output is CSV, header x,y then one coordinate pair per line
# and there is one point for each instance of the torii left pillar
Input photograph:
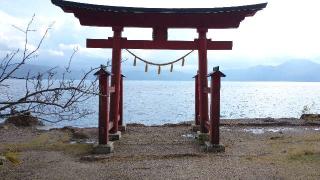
x,y
203,80
116,79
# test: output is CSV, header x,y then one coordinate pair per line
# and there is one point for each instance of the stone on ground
x,y
103,148
25,120
213,148
115,137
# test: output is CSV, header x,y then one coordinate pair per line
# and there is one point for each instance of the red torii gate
x,y
159,19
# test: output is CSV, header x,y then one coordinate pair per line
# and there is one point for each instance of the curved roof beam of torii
x,y
110,16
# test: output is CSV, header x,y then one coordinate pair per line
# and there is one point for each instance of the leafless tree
x,y
45,96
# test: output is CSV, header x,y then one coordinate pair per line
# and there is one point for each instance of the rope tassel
x,y
159,69
135,61
171,68
183,61
146,68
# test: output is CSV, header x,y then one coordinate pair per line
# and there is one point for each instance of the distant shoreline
x,y
240,122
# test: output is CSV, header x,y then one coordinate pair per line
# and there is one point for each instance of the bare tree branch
x,y
45,95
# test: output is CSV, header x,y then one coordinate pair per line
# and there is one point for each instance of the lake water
x,y
160,102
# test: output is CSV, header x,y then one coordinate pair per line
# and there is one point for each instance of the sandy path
x,y
172,153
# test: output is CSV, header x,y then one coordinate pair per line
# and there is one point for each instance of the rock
x,y
2,160
310,117
66,128
103,148
115,137
80,135
213,148
23,120
276,137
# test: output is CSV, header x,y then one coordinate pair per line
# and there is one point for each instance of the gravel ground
x,y
165,152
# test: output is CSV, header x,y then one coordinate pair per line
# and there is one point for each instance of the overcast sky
x,y
285,30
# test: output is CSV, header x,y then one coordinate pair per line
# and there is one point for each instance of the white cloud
x,y
55,52
96,53
69,46
12,31
9,35
285,29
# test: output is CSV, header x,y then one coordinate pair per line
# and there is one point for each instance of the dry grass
x,y
290,149
305,155
49,142
13,157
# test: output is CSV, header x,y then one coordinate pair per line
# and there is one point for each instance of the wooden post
x,y
215,106
203,80
116,78
121,101
103,76
196,100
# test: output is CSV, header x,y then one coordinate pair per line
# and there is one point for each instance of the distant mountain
x,y
130,75
294,70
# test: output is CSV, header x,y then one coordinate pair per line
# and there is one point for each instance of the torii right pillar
x,y
213,145
203,80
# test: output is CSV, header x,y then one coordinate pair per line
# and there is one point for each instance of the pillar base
x,y
123,128
213,148
202,137
195,128
103,148
115,137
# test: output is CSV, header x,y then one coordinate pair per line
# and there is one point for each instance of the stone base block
x,y
195,128
213,148
103,148
202,137
123,128
115,136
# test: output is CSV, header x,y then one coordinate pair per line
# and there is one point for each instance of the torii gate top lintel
x,y
110,16
159,19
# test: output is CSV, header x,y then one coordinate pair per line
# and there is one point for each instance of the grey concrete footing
x,y
123,128
202,137
195,128
213,148
115,137
103,148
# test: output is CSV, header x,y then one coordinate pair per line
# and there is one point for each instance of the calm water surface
x,y
160,102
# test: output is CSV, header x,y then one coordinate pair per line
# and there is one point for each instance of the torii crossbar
x,y
160,20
